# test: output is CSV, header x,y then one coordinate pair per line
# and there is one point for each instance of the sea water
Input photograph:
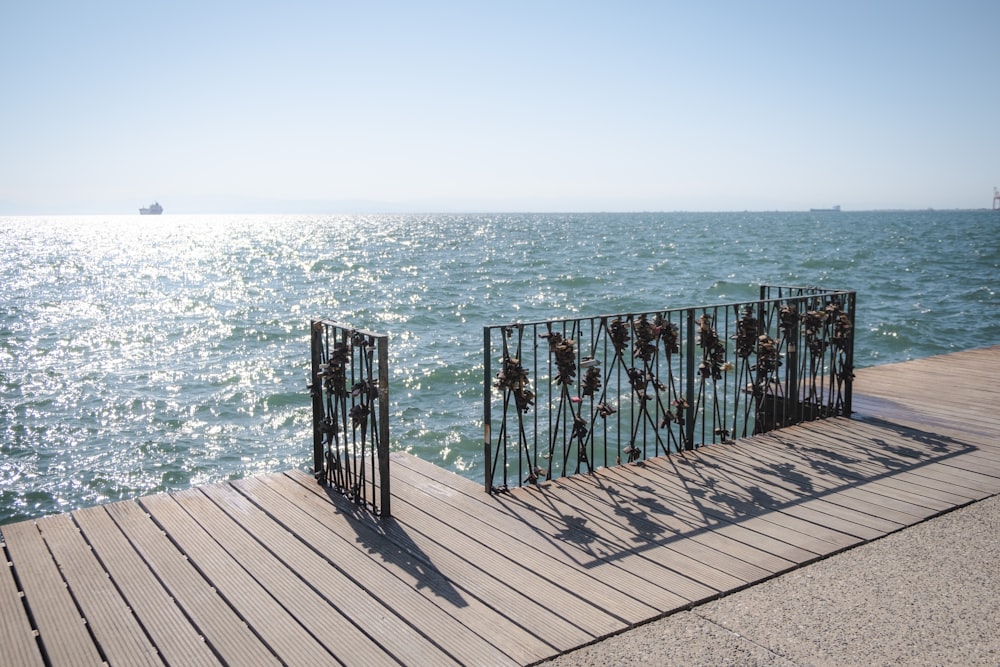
x,y
148,354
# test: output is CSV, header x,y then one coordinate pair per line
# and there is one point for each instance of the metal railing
x,y
572,395
350,399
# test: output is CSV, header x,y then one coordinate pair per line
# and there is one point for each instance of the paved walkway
x,y
927,595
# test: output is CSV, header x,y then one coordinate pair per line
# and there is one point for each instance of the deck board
x,y
118,633
524,529
822,457
634,523
16,634
329,559
542,589
483,579
278,569
233,583
220,624
280,562
850,509
176,638
60,626
547,574
782,490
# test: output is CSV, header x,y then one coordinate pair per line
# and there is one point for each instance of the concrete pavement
x,y
926,595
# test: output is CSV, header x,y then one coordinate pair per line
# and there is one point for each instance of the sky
x,y
212,106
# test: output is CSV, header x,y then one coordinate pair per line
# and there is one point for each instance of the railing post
x,y
852,300
793,398
487,411
383,439
689,354
316,389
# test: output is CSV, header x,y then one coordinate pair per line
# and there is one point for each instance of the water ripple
x,y
140,355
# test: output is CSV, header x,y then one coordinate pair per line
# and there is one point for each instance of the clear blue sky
x,y
330,106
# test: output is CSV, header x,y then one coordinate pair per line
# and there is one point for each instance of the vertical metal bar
x,y
535,420
316,339
383,409
793,398
725,337
487,410
689,356
849,355
351,458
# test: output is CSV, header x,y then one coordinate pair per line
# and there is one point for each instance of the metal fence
x,y
350,398
572,395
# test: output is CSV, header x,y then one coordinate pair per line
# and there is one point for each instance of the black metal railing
x,y
350,398
572,395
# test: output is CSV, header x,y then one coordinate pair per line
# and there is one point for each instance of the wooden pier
x,y
274,570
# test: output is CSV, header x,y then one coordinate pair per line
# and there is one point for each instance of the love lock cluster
x,y
513,378
646,335
334,372
714,356
746,334
564,350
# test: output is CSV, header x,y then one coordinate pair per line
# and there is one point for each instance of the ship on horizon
x,y
152,209
833,209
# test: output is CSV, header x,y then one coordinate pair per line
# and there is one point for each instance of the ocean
x,y
149,354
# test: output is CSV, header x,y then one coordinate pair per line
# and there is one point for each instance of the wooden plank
x,y
904,446
582,589
827,500
176,639
269,551
932,487
742,503
17,638
744,552
225,631
639,518
789,491
537,533
511,600
831,446
757,521
856,432
848,498
773,553
62,630
118,633
833,460
920,493
617,541
523,585
804,493
286,638
557,583
594,510
330,543
597,550
979,465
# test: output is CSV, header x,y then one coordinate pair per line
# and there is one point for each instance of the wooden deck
x,y
272,570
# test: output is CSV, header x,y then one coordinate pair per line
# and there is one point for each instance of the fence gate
x,y
350,400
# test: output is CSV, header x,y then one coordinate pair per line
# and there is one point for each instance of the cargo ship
x,y
152,209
